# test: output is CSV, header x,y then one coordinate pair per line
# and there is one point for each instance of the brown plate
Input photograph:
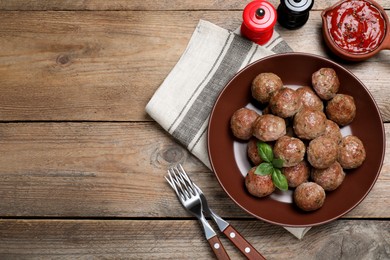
x,y
228,155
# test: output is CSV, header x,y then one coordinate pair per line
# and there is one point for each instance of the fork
x,y
190,199
229,231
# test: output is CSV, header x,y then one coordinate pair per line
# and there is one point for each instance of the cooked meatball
x,y
309,123
297,174
329,178
264,85
341,109
322,152
310,99
269,128
332,130
285,102
309,196
253,152
241,123
325,83
351,152
259,185
290,149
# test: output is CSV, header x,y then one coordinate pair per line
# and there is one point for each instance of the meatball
x,y
330,178
253,152
309,99
264,85
285,102
341,109
309,196
351,152
259,185
325,83
332,130
297,174
309,124
241,123
290,149
269,127
322,152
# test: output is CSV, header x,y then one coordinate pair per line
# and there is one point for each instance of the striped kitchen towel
x,y
183,103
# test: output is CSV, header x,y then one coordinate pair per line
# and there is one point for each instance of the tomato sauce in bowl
x,y
356,29
356,26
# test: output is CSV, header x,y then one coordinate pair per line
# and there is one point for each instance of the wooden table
x,y
82,164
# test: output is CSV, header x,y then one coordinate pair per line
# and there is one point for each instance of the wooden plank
x,y
145,5
115,170
106,65
122,5
183,239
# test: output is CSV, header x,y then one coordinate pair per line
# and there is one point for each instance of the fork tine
x,y
172,180
185,181
185,175
182,184
182,188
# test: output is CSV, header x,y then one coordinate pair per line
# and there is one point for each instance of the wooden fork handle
x,y
240,242
218,248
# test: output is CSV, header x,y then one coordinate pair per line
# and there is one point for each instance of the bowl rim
x,y
297,55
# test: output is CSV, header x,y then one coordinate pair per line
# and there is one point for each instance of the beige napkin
x,y
182,104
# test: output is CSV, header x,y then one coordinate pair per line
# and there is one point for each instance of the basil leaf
x,y
277,162
265,152
264,169
279,179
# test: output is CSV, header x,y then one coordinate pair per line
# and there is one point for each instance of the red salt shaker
x,y
259,18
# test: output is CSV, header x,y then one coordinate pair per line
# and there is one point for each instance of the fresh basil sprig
x,y
271,166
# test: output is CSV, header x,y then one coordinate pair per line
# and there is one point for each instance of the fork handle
x,y
218,248
240,242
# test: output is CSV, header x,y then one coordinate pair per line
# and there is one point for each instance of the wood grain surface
x,y
114,170
105,66
162,239
143,5
82,164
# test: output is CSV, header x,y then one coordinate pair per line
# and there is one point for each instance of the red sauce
x,y
356,26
